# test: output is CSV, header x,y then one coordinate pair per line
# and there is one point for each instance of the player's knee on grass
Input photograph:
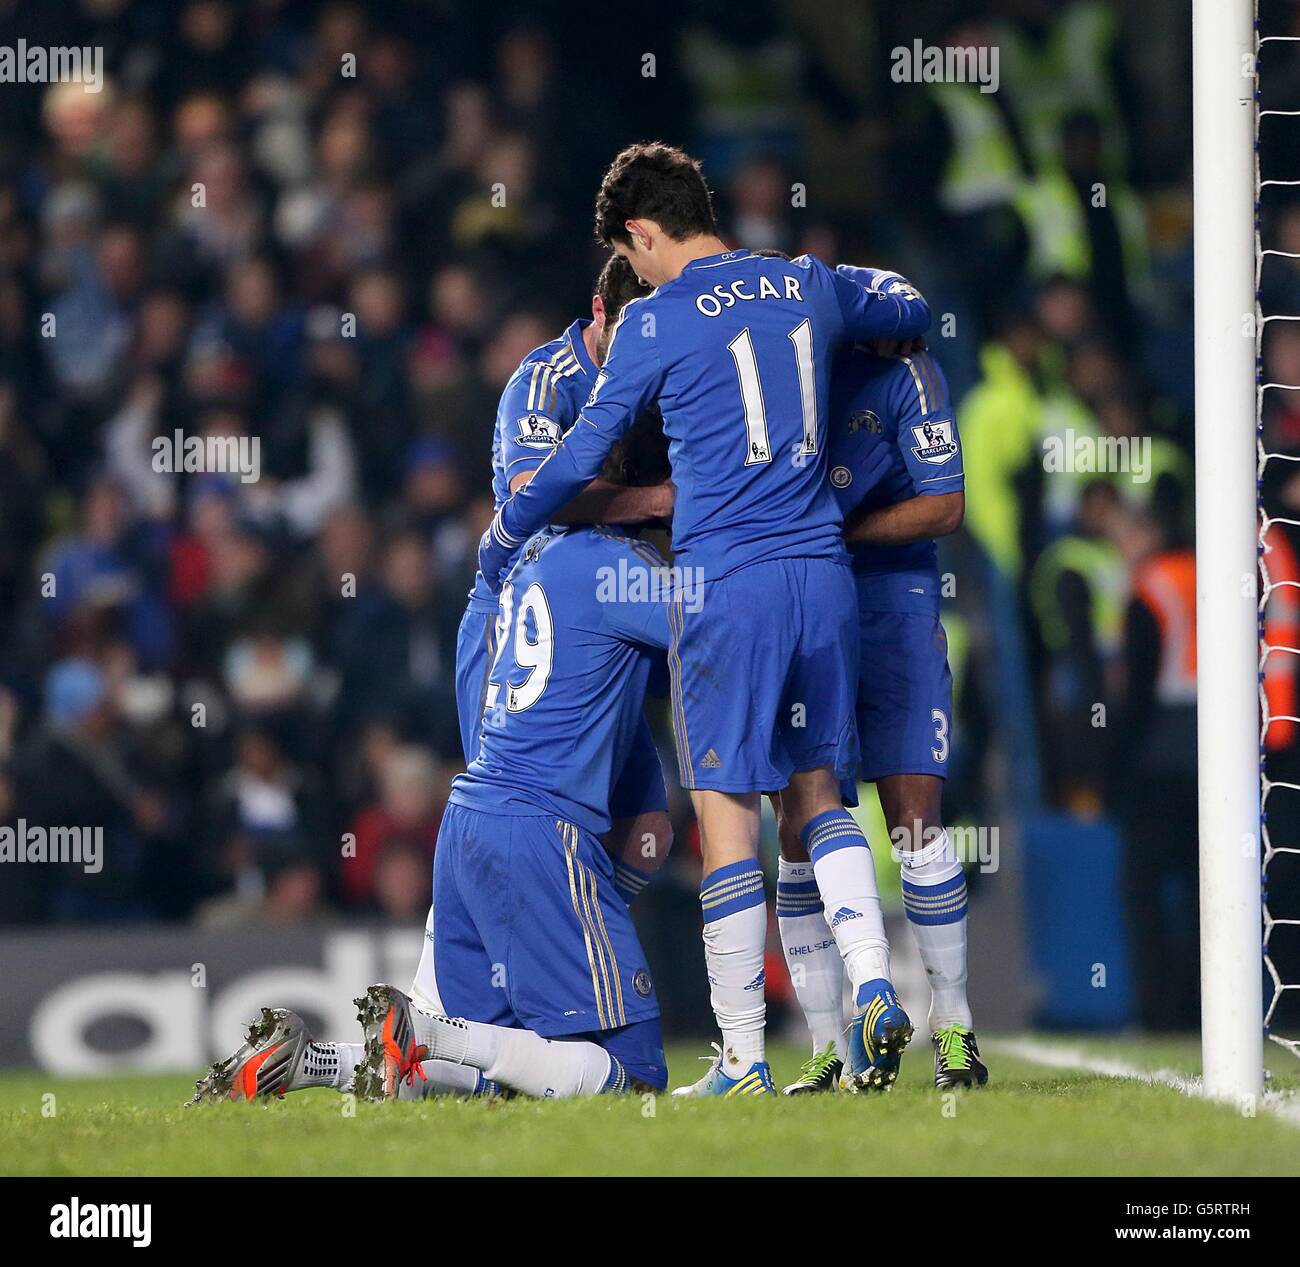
x,y
913,808
639,1048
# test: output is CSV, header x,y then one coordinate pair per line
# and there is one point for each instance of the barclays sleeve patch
x,y
934,442
537,431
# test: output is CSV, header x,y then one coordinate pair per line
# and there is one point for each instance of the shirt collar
x,y
579,346
727,257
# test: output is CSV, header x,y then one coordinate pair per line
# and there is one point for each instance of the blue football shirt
x,y
893,437
538,405
736,352
583,625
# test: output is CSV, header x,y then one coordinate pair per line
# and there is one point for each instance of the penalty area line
x,y
1281,1104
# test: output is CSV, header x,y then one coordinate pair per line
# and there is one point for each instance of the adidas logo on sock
x,y
758,982
844,914
711,761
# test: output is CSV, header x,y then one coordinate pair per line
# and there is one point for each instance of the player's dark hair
x,y
654,181
641,456
770,253
616,285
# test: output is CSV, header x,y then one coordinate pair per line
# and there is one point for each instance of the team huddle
x,y
783,421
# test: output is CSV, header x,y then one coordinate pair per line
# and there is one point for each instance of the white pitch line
x,y
1281,1104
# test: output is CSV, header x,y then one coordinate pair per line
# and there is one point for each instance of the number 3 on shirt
x,y
940,720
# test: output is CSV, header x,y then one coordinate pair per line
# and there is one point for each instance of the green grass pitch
x,y
1031,1120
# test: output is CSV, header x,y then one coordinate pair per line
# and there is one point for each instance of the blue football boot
x,y
876,1037
756,1080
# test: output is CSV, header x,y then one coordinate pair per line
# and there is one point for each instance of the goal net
x,y
1277,416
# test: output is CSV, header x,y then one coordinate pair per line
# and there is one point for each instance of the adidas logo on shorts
x,y
711,761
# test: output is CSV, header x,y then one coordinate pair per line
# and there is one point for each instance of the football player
x,y
533,949
543,985
896,468
537,406
735,348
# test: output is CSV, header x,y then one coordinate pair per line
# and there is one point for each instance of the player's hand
x,y
493,560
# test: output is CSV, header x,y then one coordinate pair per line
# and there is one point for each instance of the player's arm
x,y
531,418
603,502
917,519
628,382
530,427
878,304
930,445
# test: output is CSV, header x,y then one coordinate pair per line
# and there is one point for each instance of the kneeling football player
x,y
536,959
541,984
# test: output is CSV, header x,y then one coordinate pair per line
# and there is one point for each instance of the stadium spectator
x,y
1154,780
77,770
412,793
261,814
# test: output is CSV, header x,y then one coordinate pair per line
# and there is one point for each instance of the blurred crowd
x,y
337,227
333,228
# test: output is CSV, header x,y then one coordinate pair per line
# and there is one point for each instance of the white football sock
x,y
846,877
934,895
440,1077
424,989
735,933
816,969
519,1059
328,1065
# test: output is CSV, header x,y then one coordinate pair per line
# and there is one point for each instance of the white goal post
x,y
1228,727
